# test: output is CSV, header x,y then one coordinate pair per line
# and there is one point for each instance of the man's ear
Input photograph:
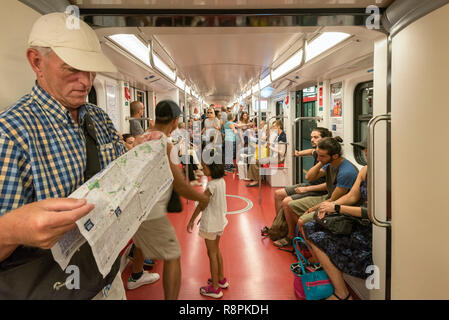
x,y
35,60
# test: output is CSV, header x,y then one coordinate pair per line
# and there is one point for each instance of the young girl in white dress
x,y
212,223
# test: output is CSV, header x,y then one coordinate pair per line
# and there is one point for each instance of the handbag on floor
x,y
311,281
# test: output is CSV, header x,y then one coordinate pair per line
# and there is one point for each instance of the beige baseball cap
x,y
72,40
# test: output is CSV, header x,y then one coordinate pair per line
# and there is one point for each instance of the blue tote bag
x,y
315,281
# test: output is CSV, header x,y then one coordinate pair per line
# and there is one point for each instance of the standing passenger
x,y
230,137
51,142
135,126
212,223
156,237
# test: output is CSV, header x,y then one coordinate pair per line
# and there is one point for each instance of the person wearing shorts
x,y
340,175
156,238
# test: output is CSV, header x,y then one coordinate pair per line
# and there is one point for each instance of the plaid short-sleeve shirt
x,y
43,150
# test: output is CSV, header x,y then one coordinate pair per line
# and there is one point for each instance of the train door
x,y
419,155
363,113
308,109
305,107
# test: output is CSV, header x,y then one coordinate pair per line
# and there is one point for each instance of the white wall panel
x,y
16,76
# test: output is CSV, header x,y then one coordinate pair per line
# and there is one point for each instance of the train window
x,y
363,112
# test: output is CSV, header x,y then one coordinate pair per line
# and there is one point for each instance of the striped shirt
x,y
43,151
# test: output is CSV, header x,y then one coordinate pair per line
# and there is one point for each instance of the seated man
x,y
347,253
297,191
340,176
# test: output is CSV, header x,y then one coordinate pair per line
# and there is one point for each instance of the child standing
x,y
212,223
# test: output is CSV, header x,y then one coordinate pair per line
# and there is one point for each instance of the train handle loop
x,y
371,171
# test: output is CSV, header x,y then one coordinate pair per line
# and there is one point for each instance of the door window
x,y
363,112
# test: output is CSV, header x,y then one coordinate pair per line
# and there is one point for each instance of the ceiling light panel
x,y
323,43
265,82
133,45
161,66
180,84
293,62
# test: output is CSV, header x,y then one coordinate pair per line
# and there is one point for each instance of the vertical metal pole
x,y
300,168
260,151
187,157
293,153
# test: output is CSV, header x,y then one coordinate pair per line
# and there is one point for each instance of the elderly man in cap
x,y
156,237
51,142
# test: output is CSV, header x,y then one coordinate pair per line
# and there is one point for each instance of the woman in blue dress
x,y
350,253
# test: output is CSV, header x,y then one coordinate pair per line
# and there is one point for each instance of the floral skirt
x,y
351,253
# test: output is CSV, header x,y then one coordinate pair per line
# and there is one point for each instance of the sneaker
x,y
209,291
146,278
221,283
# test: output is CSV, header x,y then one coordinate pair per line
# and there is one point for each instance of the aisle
x,y
254,267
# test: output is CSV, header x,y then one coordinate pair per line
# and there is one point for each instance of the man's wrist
x,y
337,208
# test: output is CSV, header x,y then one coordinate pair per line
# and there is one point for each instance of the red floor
x,y
255,269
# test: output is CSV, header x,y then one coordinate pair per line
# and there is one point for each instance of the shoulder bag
x,y
32,273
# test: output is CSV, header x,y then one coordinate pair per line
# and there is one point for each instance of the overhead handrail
x,y
371,171
128,118
297,120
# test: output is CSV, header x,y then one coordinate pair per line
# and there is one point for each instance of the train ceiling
x,y
223,47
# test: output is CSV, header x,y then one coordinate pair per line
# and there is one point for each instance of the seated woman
x,y
339,254
277,151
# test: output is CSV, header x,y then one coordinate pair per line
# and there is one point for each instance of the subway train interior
x,y
374,70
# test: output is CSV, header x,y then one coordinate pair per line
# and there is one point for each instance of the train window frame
x,y
361,117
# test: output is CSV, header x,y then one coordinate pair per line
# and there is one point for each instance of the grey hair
x,y
44,51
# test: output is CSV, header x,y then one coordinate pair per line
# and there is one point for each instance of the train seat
x,y
277,176
358,286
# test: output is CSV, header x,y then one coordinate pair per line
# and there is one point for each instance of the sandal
x,y
264,231
347,297
284,242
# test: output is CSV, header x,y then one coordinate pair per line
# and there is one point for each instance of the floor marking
x,y
249,204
